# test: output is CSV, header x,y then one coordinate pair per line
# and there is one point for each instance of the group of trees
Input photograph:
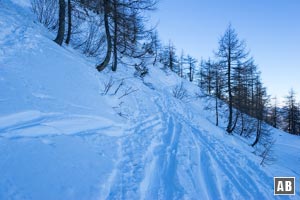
x,y
184,66
124,29
233,77
291,114
117,27
122,25
286,117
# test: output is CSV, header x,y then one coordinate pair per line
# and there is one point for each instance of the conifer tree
x,y
231,52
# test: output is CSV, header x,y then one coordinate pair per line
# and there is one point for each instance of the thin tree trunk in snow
x,y
61,23
69,22
104,64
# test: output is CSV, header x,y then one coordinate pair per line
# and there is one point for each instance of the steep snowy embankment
x,y
60,138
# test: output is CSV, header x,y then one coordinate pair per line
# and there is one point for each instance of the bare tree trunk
x,y
171,60
155,56
191,75
243,124
104,64
115,16
69,22
258,133
235,121
229,126
217,111
61,23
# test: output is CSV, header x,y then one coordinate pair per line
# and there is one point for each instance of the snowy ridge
x,y
61,138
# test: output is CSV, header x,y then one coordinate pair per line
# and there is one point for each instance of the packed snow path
x,y
164,157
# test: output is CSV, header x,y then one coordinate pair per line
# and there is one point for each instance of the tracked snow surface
x,y
61,138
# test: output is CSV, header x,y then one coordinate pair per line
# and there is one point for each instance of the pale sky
x,y
271,29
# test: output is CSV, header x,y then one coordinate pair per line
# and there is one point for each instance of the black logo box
x,y
282,183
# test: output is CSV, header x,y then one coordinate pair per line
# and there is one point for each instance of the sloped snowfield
x,y
61,138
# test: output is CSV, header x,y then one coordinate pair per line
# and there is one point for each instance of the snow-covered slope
x,y
61,138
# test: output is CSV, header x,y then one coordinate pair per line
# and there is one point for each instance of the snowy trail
x,y
147,169
132,162
165,157
169,179
220,162
218,170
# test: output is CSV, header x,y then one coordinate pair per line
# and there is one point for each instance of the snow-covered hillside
x,y
62,138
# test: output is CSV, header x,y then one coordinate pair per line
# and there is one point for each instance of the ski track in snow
x,y
214,157
163,160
